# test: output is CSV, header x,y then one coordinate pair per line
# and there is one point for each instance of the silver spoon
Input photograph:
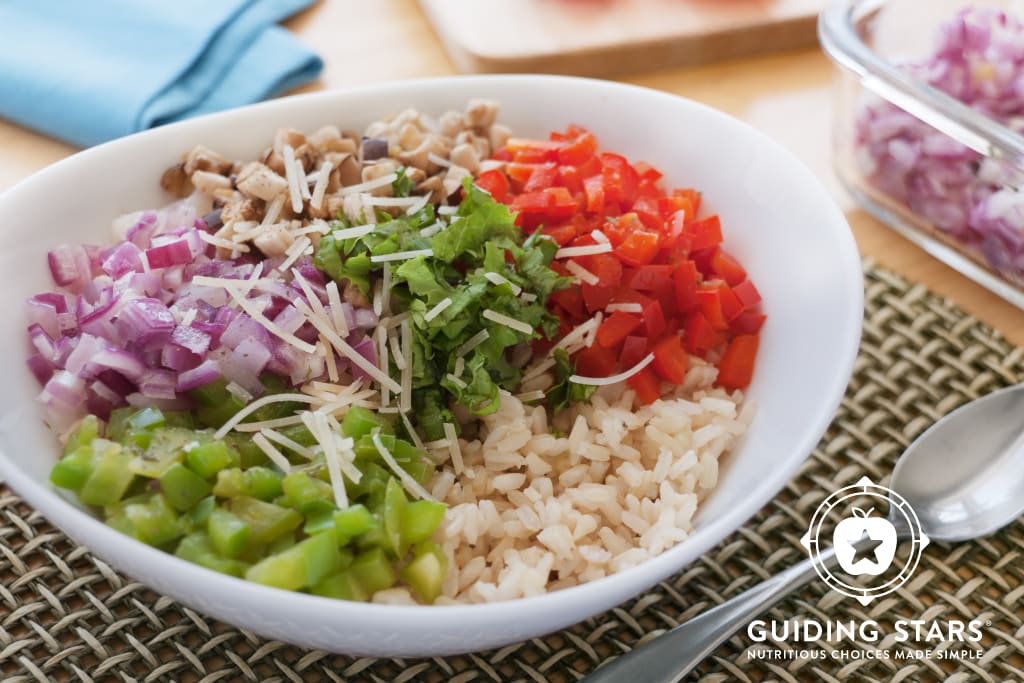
x,y
964,478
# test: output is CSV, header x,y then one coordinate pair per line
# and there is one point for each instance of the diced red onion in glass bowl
x,y
976,201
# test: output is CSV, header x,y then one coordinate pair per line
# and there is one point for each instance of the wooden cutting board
x,y
606,37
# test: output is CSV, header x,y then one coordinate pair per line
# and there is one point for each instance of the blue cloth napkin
x,y
87,71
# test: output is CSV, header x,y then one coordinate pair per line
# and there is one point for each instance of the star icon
x,y
865,548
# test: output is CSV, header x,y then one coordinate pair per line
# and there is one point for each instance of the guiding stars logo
x,y
865,543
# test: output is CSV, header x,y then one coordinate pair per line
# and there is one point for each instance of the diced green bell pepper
x,y
110,476
373,570
304,564
352,522
154,522
183,487
230,483
268,521
206,459
228,533
420,519
307,494
88,429
394,507
71,471
196,548
262,483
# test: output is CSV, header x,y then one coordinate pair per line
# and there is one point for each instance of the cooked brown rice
x,y
541,507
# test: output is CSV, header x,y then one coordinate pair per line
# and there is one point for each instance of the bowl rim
x,y
706,534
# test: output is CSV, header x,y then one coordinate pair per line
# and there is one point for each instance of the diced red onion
x,y
126,258
173,253
117,382
41,368
123,362
242,328
204,373
178,358
365,318
145,319
64,398
43,314
70,267
367,350
141,233
196,341
80,360
975,200
158,384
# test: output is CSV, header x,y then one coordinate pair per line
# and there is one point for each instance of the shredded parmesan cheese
x,y
382,355
324,349
600,237
369,185
288,443
273,211
435,158
447,210
614,379
396,349
405,400
418,205
401,255
456,381
391,201
471,343
320,189
624,308
256,405
416,440
317,426
294,252
432,229
453,448
349,233
337,312
531,396
221,242
275,456
438,309
581,272
501,319
588,250
343,347
292,177
385,289
239,392
499,279
410,484
528,297
257,315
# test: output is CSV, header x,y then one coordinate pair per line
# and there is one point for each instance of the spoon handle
x,y
669,657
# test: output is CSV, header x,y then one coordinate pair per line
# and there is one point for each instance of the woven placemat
x,y
66,615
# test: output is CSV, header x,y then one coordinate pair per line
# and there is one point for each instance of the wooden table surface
x,y
787,96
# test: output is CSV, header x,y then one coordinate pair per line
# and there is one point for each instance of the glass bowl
x,y
929,111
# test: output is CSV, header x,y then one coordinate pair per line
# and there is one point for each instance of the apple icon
x,y
864,544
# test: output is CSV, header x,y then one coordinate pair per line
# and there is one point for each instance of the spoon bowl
x,y
964,478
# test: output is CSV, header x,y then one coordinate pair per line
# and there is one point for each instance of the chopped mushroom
x,y
258,180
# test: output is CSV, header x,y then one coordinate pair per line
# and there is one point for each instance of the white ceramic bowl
x,y
777,217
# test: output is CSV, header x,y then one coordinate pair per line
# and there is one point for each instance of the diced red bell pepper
x,y
593,188
693,195
519,174
606,267
736,368
711,305
699,336
639,247
671,359
595,361
650,278
575,152
564,233
685,279
634,349
496,183
747,322
569,177
728,268
543,176
596,297
646,385
654,319
571,301
546,149
747,293
620,179
617,327
647,172
669,206
706,233
731,306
